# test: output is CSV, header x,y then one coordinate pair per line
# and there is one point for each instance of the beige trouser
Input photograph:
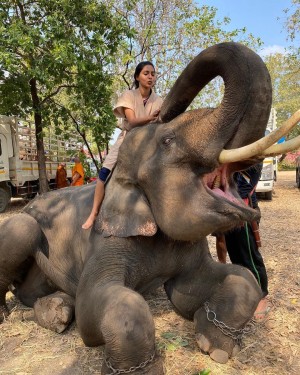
x,y
111,157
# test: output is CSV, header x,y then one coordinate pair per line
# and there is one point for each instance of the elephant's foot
x,y
152,366
55,312
221,322
218,355
120,318
217,338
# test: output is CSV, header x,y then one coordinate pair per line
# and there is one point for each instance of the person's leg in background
x,y
242,249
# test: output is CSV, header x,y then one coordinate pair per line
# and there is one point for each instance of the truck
x,y
268,177
19,173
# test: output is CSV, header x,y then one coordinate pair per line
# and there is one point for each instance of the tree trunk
x,y
89,149
82,134
100,155
43,181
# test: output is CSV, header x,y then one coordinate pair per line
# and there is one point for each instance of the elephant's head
x,y
168,174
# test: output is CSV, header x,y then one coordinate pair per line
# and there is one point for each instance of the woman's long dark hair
x,y
138,70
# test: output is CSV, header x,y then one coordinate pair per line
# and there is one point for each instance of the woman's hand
x,y
154,115
133,121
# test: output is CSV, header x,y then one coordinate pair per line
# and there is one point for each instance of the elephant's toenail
x,y
219,356
235,350
203,343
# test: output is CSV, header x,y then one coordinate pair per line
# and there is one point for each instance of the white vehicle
x,y
268,177
19,174
269,172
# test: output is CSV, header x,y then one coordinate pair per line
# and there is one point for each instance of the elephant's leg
x,y
35,285
221,299
220,323
55,311
20,236
119,318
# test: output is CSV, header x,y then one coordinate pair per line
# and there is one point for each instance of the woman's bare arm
x,y
133,121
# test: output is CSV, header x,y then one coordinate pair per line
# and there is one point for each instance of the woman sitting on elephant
x,y
137,108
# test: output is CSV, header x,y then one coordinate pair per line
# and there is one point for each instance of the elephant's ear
x,y
125,212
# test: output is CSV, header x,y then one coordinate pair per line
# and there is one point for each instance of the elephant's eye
x,y
168,140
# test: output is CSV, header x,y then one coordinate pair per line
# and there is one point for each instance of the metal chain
x,y
235,334
130,369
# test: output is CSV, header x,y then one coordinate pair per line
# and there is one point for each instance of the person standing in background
x,y
77,173
61,176
243,243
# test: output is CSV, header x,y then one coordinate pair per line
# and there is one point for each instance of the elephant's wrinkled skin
x,y
162,201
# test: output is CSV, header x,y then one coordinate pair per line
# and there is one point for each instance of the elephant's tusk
x,y
262,145
282,148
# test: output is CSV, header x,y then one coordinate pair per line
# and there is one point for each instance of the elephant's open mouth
x,y
217,184
233,210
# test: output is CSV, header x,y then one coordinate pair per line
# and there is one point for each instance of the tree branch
x,y
77,125
56,92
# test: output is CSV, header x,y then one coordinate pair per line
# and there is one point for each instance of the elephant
x,y
168,192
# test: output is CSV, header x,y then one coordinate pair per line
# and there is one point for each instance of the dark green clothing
x,y
241,245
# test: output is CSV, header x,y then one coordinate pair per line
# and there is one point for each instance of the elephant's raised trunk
x,y
246,103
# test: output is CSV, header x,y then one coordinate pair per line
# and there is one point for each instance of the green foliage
x,y
170,33
286,166
293,20
67,47
86,166
204,372
70,48
172,342
285,77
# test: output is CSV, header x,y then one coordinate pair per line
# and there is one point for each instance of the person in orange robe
x,y
61,176
77,173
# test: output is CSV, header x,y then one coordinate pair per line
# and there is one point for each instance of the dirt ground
x,y
271,348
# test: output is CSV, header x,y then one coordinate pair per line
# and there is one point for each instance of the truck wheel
x,y
269,195
4,199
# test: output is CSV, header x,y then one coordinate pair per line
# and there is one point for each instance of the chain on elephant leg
x,y
151,366
217,338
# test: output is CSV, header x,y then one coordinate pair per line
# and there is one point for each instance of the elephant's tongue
x,y
226,195
217,182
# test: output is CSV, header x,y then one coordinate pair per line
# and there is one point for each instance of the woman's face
x,y
147,77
